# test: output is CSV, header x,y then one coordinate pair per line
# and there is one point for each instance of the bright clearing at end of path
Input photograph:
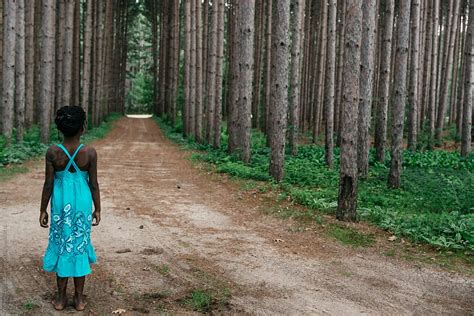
x,y
139,115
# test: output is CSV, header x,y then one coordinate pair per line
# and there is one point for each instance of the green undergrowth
x,y
11,157
435,204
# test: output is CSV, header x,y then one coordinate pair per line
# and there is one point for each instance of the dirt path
x,y
169,228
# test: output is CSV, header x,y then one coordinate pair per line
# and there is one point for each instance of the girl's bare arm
x,y
47,187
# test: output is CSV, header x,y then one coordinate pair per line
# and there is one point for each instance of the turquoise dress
x,y
70,251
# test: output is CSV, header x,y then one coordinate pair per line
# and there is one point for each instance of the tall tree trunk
x,y
20,70
447,82
46,72
76,56
219,76
340,67
329,90
198,72
295,72
29,62
59,54
187,68
175,62
86,75
384,81
279,86
347,201
414,65
468,83
8,79
241,84
268,54
434,73
68,46
367,56
460,90
211,75
258,59
398,108
427,64
154,50
317,104
192,72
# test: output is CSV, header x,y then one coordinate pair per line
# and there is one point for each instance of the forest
x,y
360,110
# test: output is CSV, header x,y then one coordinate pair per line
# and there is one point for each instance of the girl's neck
x,y
72,141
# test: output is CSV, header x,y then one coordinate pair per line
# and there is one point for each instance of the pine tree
x,y
295,72
366,84
20,70
46,72
279,86
384,80
8,79
330,82
400,77
347,201
468,85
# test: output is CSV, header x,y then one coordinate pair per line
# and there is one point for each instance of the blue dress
x,y
70,251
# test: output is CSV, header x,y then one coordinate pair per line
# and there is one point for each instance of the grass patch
x,y
30,305
11,157
350,237
435,204
205,301
163,270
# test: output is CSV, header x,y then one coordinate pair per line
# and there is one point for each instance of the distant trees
x,y
45,67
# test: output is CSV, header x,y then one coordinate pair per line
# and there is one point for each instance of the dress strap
x,y
71,158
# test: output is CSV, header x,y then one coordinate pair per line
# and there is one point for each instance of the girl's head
x,y
70,120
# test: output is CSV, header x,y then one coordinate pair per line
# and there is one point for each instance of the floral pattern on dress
x,y
70,233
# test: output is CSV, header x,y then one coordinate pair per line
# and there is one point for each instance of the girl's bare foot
x,y
59,303
79,303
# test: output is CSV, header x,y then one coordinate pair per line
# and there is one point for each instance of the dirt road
x,y
169,228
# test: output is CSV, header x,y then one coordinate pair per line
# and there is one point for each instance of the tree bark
x,y
219,70
8,80
468,85
367,55
67,59
187,67
398,109
434,73
76,56
198,72
211,75
384,81
347,201
20,70
46,72
279,86
29,62
414,64
329,90
295,72
86,76
447,82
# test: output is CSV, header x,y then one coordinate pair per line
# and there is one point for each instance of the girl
x,y
71,183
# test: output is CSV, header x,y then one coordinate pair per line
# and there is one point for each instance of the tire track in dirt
x,y
200,233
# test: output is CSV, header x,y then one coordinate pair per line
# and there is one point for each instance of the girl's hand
x,y
44,219
96,216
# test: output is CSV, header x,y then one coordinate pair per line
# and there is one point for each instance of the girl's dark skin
x,y
56,160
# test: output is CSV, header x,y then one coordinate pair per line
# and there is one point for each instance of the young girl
x,y
71,183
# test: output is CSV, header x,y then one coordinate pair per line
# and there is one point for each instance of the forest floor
x,y
177,238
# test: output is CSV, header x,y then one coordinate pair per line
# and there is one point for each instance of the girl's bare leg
x,y
61,299
79,303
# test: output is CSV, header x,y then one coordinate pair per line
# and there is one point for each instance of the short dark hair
x,y
70,120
